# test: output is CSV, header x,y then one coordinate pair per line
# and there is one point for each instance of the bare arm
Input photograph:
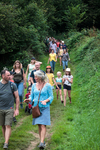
x,y
48,60
31,79
55,82
27,70
24,77
63,80
17,103
56,58
71,81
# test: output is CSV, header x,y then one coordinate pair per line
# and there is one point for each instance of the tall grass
x,y
78,128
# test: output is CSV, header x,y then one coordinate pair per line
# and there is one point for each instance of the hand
x,y
25,85
27,100
16,112
43,102
58,88
66,78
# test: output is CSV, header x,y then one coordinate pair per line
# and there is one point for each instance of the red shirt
x,y
27,95
58,43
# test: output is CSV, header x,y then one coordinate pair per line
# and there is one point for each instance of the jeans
x,y
20,87
65,63
52,64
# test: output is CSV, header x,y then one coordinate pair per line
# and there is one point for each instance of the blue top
x,y
46,93
59,80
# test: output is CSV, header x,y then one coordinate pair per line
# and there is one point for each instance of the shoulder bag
x,y
35,110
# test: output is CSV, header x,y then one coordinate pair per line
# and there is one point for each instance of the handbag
x,y
35,110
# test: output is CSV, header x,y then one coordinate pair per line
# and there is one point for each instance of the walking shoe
x,y
5,146
42,145
14,120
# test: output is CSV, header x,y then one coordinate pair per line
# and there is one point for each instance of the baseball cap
x,y
33,58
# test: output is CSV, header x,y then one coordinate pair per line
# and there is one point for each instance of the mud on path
x,y
34,143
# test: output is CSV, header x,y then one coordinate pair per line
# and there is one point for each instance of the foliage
x,y
74,16
19,34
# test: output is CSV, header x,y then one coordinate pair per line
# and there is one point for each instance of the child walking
x,y
50,76
67,80
59,82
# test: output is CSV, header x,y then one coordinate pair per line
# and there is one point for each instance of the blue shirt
x,y
46,93
64,46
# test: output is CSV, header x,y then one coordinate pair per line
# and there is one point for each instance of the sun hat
x,y
48,67
33,58
68,69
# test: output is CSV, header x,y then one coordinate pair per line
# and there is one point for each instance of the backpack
x,y
12,89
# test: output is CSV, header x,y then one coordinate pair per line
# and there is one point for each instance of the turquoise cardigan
x,y
46,93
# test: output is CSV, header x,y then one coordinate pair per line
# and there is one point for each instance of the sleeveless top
x,y
18,76
60,52
59,80
31,67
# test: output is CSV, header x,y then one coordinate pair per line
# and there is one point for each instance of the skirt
x,y
44,118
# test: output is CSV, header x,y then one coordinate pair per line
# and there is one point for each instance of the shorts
x,y
6,117
59,87
66,87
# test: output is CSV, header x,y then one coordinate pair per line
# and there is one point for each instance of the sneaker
x,y
5,146
42,145
62,101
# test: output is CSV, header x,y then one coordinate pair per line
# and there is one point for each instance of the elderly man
x,y
32,77
8,91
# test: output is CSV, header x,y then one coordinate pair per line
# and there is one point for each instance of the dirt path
x,y
34,143
19,123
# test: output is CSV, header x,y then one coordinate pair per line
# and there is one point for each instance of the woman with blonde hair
x,y
31,66
46,98
19,76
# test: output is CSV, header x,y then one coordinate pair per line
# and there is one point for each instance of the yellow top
x,y
52,56
60,52
50,76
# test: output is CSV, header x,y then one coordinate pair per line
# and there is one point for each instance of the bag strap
x,y
40,93
12,88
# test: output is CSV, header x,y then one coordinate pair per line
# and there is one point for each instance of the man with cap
x,y
63,45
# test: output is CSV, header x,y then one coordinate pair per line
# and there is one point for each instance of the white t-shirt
x,y
69,78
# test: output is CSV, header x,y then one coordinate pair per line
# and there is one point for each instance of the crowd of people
x,y
40,87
